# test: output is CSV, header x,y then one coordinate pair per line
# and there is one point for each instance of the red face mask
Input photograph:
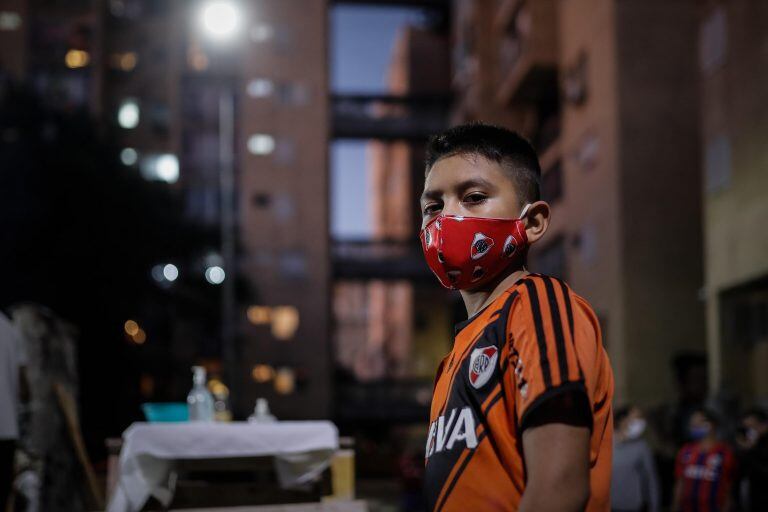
x,y
467,252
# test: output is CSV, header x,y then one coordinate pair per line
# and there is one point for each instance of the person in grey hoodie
x,y
634,481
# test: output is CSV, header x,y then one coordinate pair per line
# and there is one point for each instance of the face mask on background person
x,y
636,428
467,252
699,432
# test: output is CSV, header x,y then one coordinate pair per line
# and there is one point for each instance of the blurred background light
x,y
160,167
75,59
170,272
220,19
285,321
140,337
261,144
168,168
260,88
261,33
259,315
131,328
9,20
129,156
125,61
215,275
285,381
128,114
262,373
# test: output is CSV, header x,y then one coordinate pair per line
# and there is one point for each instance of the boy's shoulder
x,y
543,292
548,309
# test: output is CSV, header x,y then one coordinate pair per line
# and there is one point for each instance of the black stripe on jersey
x,y
569,313
461,469
461,393
599,405
557,327
533,296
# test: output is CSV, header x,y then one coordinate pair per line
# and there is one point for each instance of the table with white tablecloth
x,y
302,450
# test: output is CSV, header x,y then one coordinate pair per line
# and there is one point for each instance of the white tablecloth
x,y
302,451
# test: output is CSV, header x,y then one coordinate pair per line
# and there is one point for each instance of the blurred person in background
x,y
11,375
704,469
752,441
668,422
634,481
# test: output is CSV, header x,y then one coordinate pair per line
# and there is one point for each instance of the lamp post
x,y
220,22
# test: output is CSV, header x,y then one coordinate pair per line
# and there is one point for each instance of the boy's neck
x,y
475,300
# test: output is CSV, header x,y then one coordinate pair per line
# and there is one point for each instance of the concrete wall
x,y
589,214
661,239
734,109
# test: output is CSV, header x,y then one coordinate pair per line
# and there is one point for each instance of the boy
x,y
521,410
704,470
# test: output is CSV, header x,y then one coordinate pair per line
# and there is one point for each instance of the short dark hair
x,y
709,415
505,147
620,413
757,413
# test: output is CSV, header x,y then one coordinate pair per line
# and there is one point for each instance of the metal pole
x,y
227,190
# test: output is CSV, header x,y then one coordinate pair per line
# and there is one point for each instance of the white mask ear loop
x,y
522,215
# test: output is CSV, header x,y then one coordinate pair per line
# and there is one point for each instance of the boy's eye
x,y
431,208
476,197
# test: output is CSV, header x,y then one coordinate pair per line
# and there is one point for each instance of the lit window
x,y
262,373
215,275
9,20
259,315
260,88
125,61
285,381
262,33
75,59
285,321
261,144
160,167
129,156
128,114
170,272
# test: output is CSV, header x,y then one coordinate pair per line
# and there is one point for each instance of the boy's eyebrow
x,y
464,185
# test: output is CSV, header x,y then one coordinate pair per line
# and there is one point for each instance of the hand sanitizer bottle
x,y
199,399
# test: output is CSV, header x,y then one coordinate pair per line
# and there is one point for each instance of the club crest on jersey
x,y
482,364
481,244
509,247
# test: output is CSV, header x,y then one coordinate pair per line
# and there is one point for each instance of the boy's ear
x,y
537,221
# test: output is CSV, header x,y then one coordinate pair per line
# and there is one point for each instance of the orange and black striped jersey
x,y
535,341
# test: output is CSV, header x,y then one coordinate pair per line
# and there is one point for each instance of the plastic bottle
x,y
261,412
199,399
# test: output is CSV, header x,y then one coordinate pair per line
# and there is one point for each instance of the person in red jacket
x,y
704,470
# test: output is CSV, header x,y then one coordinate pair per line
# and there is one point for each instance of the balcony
x,y
528,51
389,117
385,259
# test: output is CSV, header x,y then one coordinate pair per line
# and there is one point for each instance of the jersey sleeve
x,y
543,359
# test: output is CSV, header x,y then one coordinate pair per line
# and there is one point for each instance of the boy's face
x,y
468,185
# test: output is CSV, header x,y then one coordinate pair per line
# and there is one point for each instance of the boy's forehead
x,y
455,169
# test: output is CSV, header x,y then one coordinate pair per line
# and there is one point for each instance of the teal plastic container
x,y
167,412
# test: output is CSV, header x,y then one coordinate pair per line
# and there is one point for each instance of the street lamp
x,y
220,22
220,19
